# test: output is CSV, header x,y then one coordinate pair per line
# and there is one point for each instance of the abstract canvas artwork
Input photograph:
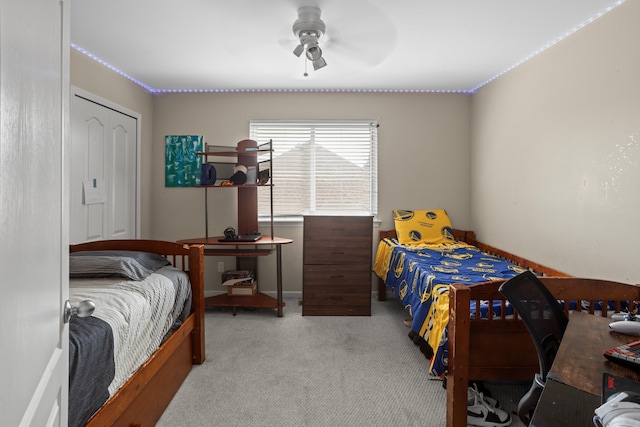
x,y
182,164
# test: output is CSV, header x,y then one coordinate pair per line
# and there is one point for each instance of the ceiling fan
x,y
360,35
308,28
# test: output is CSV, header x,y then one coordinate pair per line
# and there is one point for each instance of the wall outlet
x,y
221,267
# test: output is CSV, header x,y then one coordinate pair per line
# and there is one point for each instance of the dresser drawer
x,y
336,290
345,252
328,308
337,228
346,278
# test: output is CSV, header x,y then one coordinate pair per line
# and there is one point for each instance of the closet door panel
x,y
88,149
123,172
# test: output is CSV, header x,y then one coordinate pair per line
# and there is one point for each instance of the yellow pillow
x,y
418,227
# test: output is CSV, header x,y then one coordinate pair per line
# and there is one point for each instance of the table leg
x,y
279,278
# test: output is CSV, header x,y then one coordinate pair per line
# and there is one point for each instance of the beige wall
x,y
423,159
99,80
542,162
555,173
424,154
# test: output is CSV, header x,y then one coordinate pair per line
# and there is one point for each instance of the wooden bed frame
x,y
144,397
500,348
469,237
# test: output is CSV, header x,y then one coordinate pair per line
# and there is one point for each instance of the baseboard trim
x,y
285,294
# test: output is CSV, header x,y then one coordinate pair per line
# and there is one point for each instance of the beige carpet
x,y
312,371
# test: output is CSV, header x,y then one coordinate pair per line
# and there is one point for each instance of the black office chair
x,y
546,322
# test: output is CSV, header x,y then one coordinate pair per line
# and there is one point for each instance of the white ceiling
x,y
395,45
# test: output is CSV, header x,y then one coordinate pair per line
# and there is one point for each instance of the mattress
x,y
420,276
131,320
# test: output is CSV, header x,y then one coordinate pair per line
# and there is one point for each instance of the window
x,y
320,167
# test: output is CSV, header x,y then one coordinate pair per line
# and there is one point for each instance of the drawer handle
x,y
337,277
338,229
337,253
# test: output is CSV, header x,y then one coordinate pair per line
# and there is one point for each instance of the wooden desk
x,y
262,247
574,383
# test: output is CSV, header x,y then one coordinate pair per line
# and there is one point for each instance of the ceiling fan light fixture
x,y
314,52
319,63
298,50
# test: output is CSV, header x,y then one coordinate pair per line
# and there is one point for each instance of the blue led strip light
x,y
153,90
548,45
469,91
111,67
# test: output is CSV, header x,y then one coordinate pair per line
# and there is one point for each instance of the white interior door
x,y
34,91
104,172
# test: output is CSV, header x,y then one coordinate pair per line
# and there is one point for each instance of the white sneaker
x,y
480,413
490,400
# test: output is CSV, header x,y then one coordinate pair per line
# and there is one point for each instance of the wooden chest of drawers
x,y
337,266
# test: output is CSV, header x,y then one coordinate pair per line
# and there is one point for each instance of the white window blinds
x,y
320,167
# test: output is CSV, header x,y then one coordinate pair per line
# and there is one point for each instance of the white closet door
x,y
103,184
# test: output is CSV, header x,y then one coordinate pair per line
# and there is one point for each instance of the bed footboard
x,y
500,348
495,348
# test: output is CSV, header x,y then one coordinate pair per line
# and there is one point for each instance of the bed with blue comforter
x,y
448,281
420,277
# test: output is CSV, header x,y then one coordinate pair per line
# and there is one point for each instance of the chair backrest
x,y
541,313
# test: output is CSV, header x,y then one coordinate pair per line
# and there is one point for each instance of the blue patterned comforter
x,y
420,275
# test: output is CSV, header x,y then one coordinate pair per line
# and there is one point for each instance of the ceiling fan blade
x,y
369,49
358,31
